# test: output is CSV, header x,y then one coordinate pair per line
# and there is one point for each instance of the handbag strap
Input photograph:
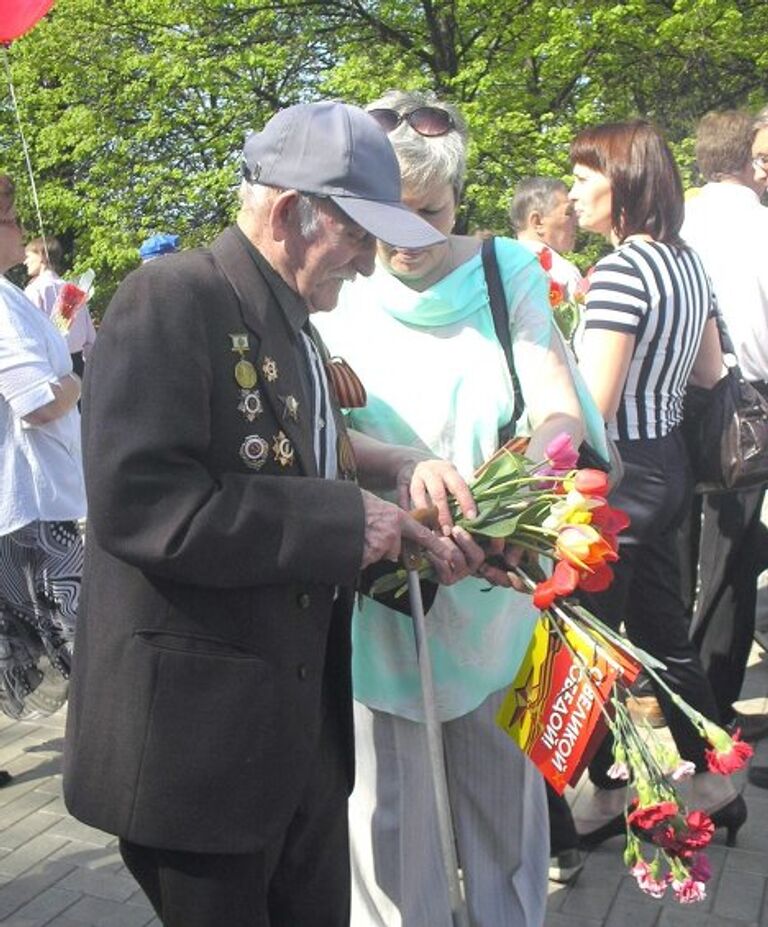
x,y
500,313
726,346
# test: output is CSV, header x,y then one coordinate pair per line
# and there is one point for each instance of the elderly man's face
x,y
338,250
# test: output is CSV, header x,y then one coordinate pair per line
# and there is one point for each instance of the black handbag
x,y
726,429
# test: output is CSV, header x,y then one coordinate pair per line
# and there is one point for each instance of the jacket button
x,y
303,600
301,671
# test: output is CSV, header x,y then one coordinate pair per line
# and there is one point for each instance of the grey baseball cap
x,y
336,150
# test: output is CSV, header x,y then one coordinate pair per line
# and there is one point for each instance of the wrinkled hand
x,y
387,526
471,557
497,551
425,483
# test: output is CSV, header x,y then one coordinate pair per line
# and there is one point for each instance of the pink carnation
x,y
689,891
646,881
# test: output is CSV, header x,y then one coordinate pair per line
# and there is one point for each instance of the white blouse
x,y
41,473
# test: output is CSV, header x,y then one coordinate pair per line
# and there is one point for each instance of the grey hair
x,y
533,194
256,197
761,119
427,160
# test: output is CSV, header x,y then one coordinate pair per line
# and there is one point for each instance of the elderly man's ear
x,y
283,215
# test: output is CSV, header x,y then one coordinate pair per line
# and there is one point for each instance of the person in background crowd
x,y
648,328
542,217
446,389
42,496
728,228
43,260
210,719
157,245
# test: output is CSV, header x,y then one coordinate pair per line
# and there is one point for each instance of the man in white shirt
x,y
728,227
43,260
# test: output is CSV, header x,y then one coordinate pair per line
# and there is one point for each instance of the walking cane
x,y
459,913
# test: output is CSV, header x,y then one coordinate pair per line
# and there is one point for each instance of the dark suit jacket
x,y
207,619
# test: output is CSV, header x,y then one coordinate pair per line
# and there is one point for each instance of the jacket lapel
x,y
279,350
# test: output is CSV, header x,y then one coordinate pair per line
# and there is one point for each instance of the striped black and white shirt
x,y
662,296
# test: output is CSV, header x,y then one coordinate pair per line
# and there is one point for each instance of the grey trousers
x,y
500,816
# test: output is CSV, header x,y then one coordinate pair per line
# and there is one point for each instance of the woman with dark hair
x,y
648,330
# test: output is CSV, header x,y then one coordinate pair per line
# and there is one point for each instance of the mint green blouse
x,y
437,379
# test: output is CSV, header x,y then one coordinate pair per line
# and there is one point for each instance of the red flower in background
x,y
69,299
556,293
545,259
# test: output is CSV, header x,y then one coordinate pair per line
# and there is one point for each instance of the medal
x,y
290,407
245,374
239,342
269,369
250,403
282,449
254,452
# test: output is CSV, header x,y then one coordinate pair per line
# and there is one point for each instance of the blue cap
x,y
158,244
338,151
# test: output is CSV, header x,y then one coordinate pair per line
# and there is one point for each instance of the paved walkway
x,y
55,872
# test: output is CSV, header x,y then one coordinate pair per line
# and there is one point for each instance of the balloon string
x,y
25,148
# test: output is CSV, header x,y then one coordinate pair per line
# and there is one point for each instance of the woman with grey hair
x,y
420,334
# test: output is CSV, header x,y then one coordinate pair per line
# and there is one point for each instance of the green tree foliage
x,y
136,110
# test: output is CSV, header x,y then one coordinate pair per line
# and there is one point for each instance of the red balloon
x,y
18,17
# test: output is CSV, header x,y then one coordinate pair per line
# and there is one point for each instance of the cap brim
x,y
392,223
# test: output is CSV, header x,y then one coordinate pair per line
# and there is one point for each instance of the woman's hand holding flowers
x,y
423,484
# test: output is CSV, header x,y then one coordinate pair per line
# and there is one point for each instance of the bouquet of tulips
x,y
548,508
561,513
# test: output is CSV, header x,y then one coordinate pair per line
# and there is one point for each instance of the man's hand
x,y
500,554
387,526
425,483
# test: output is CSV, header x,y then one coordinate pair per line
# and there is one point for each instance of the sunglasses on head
x,y
426,120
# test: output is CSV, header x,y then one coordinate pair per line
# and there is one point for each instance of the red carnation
x,y
651,816
698,832
731,760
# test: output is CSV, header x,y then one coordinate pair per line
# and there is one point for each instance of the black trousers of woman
x,y
646,592
728,549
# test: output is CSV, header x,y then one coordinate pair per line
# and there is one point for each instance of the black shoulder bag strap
x,y
497,300
588,457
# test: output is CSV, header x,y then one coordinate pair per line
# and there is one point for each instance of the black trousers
x,y
302,880
728,549
646,592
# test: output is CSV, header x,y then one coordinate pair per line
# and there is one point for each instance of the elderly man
x,y
728,227
210,715
542,217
